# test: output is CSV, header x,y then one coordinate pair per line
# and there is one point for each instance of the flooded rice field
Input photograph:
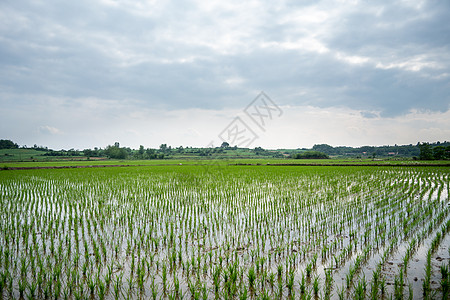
x,y
238,232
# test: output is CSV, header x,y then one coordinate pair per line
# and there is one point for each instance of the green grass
x,y
20,154
213,162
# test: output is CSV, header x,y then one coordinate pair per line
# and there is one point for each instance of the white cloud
x,y
49,130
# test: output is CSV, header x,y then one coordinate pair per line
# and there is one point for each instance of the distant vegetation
x,y
7,144
422,151
10,151
310,155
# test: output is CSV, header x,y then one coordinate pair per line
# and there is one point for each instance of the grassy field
x,y
212,162
226,231
7,155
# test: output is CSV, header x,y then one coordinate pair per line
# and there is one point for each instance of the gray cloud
x,y
382,57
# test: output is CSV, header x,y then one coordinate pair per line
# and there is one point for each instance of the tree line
x,y
422,151
434,152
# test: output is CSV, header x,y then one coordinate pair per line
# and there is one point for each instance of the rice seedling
x,y
316,285
302,284
398,286
445,279
410,292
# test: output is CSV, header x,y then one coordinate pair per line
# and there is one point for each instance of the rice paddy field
x,y
225,232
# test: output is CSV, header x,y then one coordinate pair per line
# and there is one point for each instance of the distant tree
x,y
88,152
150,153
117,145
163,148
8,144
439,153
116,152
141,150
259,151
426,152
224,145
311,155
324,148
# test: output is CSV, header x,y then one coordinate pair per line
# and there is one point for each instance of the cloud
x,y
48,130
385,57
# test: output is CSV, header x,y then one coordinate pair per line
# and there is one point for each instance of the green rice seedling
x,y
192,288
271,279
243,294
77,294
398,286
91,284
302,284
117,286
314,260
101,287
32,290
57,289
164,278
290,282
426,286
383,286
410,292
251,278
279,271
204,292
65,293
3,279
309,268
216,279
47,289
348,280
306,296
360,289
140,280
374,285
23,267
176,285
22,286
328,283
196,295
280,288
172,296
445,281
153,289
316,284
109,273
341,293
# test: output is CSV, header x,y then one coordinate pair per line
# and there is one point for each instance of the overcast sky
x,y
78,74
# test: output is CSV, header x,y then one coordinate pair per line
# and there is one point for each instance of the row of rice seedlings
x,y
433,247
368,251
411,248
445,278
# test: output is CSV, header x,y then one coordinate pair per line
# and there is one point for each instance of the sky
x,y
83,74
